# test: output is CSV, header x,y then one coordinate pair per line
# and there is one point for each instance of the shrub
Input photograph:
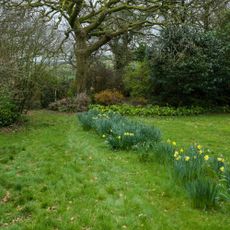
x,y
203,192
150,110
78,104
102,76
63,105
138,101
82,102
108,97
8,110
189,67
137,79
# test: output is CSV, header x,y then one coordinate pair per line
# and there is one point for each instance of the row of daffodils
x,y
204,177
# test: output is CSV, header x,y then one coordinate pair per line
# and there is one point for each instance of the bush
x,y
137,79
82,102
150,110
108,97
155,110
78,104
102,77
63,105
138,101
189,67
204,193
8,110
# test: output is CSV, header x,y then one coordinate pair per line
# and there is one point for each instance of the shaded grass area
x,y
54,175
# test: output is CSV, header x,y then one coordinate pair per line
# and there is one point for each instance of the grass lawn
x,y
54,175
211,131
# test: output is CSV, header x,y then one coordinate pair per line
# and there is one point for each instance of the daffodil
x,y
222,169
187,158
206,157
174,143
178,158
181,150
220,159
200,152
199,146
103,136
176,154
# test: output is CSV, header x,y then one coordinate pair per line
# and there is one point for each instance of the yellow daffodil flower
x,y
200,152
178,158
174,143
181,150
187,158
199,146
220,159
206,157
222,169
176,154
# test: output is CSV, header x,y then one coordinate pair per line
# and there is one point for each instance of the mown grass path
x,y
54,175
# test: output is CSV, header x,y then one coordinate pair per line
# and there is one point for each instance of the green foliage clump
x,y
8,110
203,192
155,110
189,67
163,152
189,165
120,132
87,119
203,176
137,79
126,135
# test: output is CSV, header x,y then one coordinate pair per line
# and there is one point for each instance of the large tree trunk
x,y
83,65
82,75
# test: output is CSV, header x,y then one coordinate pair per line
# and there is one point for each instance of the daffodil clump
x,y
118,131
200,173
129,135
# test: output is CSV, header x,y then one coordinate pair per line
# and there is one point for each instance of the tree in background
x,y
28,50
95,23
189,67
